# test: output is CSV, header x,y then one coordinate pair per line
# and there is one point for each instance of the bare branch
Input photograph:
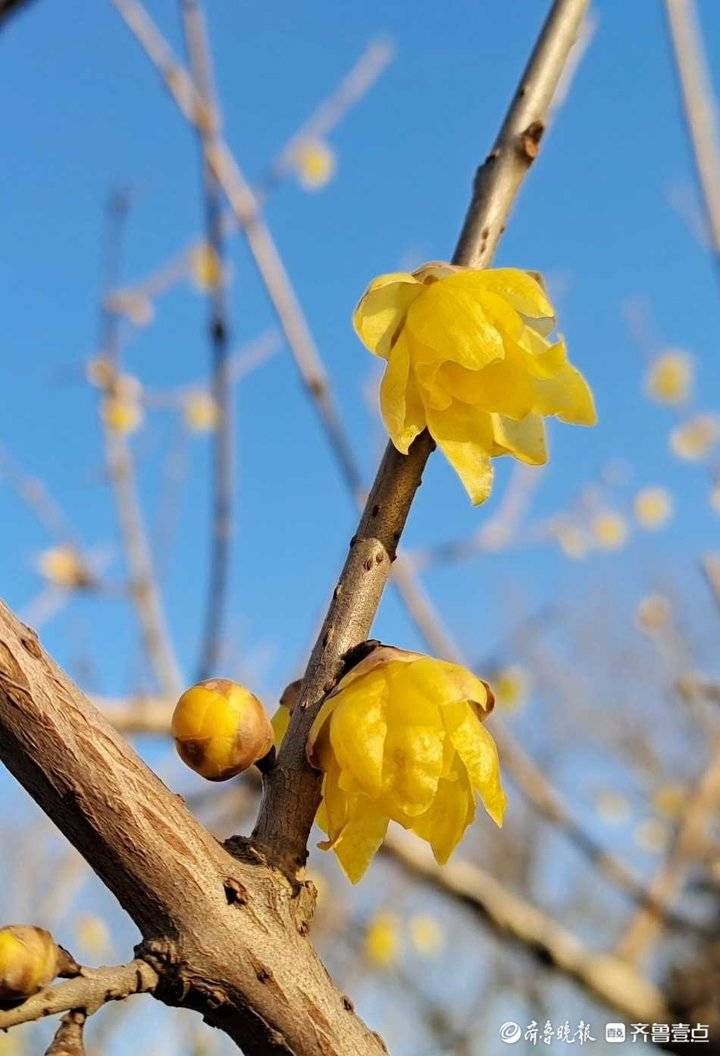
x,y
69,1037
699,107
88,992
603,976
219,336
120,467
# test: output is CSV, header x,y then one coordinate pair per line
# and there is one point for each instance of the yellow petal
x,y
465,437
361,840
524,439
413,751
382,309
448,322
358,730
451,812
566,396
400,402
505,386
523,291
478,753
280,722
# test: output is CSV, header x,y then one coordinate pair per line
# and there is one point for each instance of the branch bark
x,y
88,992
226,935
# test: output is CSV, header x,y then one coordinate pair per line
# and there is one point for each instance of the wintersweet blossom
x,y
315,164
653,507
401,738
670,376
469,358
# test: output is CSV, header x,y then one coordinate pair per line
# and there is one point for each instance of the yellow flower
x,y
64,567
401,738
314,163
510,686
29,960
468,358
653,507
612,807
670,800
610,530
220,729
425,934
670,377
206,267
201,412
382,939
122,416
651,835
93,935
653,613
694,439
573,542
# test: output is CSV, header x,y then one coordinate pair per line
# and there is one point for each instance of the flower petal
x,y
382,309
566,396
358,730
525,439
400,402
466,439
452,810
361,840
413,756
478,752
448,322
521,289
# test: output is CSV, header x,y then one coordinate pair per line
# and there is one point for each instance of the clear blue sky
x,y
87,113
84,112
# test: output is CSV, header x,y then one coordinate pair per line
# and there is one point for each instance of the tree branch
x,y
602,976
292,789
88,992
226,935
218,332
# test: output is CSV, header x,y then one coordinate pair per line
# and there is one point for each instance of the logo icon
x,y
510,1032
614,1033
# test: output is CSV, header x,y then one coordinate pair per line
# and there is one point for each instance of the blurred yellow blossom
x,y
510,686
205,267
573,541
670,377
122,416
651,835
382,939
401,738
469,359
315,164
612,807
653,507
136,306
11,1045
64,567
610,530
91,932
200,412
670,799
426,934
653,613
694,439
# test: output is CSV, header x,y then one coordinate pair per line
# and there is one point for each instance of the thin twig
x,y
88,992
218,331
353,87
693,72
120,467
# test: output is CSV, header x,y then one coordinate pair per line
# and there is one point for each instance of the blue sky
x,y
86,113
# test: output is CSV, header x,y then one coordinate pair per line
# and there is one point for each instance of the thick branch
x,y
292,788
226,936
89,991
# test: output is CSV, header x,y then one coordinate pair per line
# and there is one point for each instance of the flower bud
x,y
29,960
220,729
